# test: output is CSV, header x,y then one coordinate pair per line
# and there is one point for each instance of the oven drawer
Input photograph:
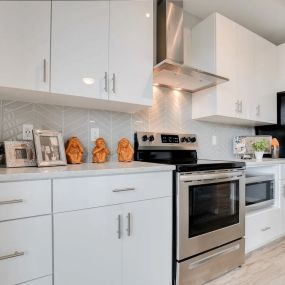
x,y
80,193
207,266
261,228
24,199
25,250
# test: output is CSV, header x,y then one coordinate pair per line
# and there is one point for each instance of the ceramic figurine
x,y
100,151
74,151
125,150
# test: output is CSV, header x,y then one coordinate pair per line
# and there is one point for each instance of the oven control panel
x,y
164,140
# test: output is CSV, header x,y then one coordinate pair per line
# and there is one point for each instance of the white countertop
x,y
264,162
80,170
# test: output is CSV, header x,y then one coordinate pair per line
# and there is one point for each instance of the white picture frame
x,y
49,148
20,154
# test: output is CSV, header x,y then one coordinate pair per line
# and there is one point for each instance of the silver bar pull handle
x,y
266,229
114,83
106,82
15,201
240,105
129,224
237,106
45,71
119,227
258,110
124,189
13,255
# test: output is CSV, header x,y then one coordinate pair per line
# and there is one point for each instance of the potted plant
x,y
259,149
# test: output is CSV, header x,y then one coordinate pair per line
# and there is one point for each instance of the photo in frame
x,y
20,153
49,148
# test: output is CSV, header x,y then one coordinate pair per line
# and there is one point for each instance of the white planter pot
x,y
258,155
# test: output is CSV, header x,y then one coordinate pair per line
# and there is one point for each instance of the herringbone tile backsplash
x,y
171,111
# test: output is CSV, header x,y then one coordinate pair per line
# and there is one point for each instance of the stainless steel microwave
x,y
259,191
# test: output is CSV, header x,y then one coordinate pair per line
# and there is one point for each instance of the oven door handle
x,y
206,259
210,176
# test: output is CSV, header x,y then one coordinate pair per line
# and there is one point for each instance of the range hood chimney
x,y
170,71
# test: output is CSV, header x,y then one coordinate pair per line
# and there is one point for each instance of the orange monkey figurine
x,y
74,151
100,151
125,150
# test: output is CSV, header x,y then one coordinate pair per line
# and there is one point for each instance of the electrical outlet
x,y
214,140
94,134
28,132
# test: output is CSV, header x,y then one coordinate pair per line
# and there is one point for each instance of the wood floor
x,y
263,267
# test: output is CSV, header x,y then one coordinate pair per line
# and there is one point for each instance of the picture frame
x,y
19,154
49,148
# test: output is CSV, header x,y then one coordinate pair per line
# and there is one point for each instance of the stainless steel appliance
x,y
259,191
170,70
209,207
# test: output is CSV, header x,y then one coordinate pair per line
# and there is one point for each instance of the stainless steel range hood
x,y
170,71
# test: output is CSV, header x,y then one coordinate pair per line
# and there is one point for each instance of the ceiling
x,y
264,17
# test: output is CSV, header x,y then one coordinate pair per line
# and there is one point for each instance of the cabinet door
x,y
282,204
79,48
25,44
245,69
226,63
147,246
263,101
131,51
25,250
87,248
281,68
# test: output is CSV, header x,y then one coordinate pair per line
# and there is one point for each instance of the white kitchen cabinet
x,y
131,51
124,244
24,199
147,250
281,68
262,227
25,249
245,69
214,49
25,44
282,203
263,101
103,50
87,248
79,48
221,46
101,191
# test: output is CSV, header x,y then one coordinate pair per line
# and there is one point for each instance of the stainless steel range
x,y
209,207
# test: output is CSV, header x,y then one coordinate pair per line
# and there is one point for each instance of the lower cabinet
x,y
87,247
25,250
262,227
127,244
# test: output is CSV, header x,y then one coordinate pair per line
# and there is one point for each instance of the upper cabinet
x,y
25,44
281,68
101,53
103,50
131,51
79,48
221,46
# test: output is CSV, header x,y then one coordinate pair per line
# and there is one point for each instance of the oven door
x,y
259,192
210,210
